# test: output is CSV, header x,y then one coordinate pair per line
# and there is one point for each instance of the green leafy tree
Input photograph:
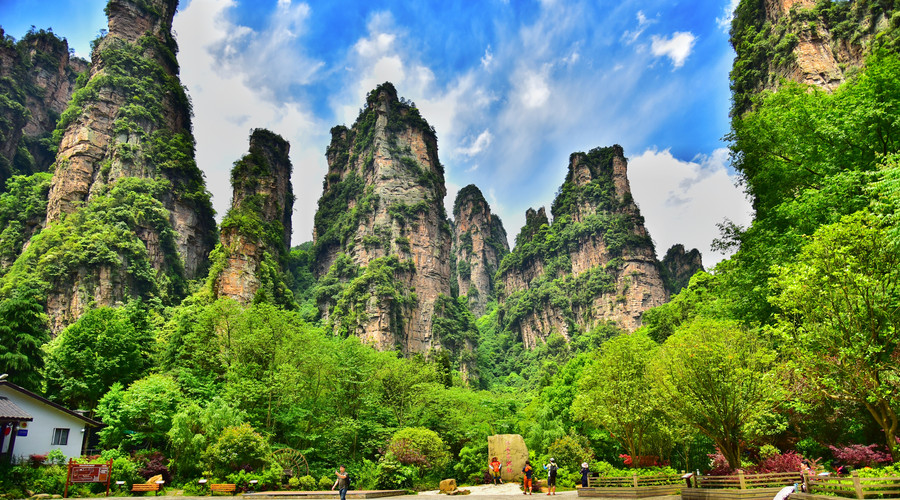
x,y
839,304
140,416
101,348
420,447
570,452
194,429
23,330
718,377
237,446
615,392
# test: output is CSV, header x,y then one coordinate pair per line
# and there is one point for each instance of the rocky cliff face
x,y
382,238
37,79
809,42
479,244
126,144
679,265
256,232
593,264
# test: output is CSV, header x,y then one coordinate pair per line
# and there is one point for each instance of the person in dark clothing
x,y
585,472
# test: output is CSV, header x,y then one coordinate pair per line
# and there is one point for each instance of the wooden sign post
x,y
87,473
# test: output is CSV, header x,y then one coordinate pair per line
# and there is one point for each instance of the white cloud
x,y
487,58
532,89
631,36
677,47
724,22
221,66
682,201
478,145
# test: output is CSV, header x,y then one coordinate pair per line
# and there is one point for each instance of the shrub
x,y
307,483
469,467
858,456
419,447
153,463
237,447
325,483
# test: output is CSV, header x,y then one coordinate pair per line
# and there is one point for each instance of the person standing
x,y
495,470
527,487
342,483
551,469
585,472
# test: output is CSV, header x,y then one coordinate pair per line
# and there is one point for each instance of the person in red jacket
x,y
495,470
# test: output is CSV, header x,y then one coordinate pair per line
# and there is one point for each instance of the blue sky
x,y
512,87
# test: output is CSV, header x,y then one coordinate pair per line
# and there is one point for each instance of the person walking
x,y
551,469
342,482
495,471
527,487
585,472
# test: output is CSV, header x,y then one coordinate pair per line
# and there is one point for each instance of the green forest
x,y
788,350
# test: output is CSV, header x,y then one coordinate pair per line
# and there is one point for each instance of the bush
x,y
237,447
265,479
419,447
151,464
325,483
392,475
307,483
858,456
470,466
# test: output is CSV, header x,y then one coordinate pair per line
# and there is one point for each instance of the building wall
x,y
40,431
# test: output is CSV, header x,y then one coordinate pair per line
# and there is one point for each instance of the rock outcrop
x,y
593,264
809,42
679,265
479,244
256,232
37,79
125,176
382,237
511,451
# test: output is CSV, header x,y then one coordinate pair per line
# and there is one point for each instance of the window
x,y
60,437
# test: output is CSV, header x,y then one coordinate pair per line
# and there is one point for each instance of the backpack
x,y
553,467
349,480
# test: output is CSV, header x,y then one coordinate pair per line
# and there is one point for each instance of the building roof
x,y
11,411
26,392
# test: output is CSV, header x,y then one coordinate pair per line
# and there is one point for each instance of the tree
x,y
194,429
88,357
615,392
420,447
237,446
23,330
141,415
840,310
718,377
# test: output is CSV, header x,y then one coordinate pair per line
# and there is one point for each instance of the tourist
x,y
342,483
527,487
495,470
551,469
585,472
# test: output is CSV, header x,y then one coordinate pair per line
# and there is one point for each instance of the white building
x,y
33,425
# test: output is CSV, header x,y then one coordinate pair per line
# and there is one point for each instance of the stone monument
x,y
510,449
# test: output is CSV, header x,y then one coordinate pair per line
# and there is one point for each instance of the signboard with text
x,y
88,473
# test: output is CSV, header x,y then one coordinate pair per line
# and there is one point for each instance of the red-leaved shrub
x,y
857,455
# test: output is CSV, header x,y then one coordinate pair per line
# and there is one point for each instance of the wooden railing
x,y
853,486
634,481
747,481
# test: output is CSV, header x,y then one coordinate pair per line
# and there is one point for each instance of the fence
x,y
853,486
748,481
632,487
